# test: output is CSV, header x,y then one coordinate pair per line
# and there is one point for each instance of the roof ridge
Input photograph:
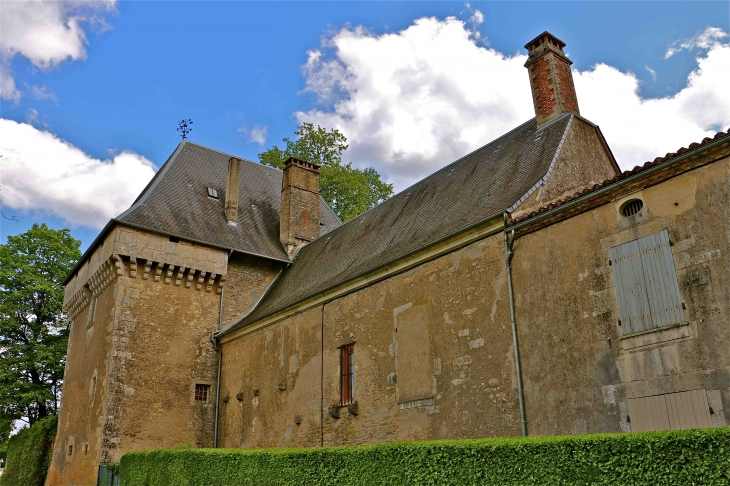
x,y
434,174
233,155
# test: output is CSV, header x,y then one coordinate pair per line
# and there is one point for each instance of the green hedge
x,y
29,454
690,457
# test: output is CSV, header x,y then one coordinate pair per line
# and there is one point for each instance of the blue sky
x,y
248,72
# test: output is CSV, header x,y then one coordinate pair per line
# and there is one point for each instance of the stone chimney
x,y
299,215
233,181
553,91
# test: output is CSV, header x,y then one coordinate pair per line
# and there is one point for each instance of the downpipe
x,y
214,340
509,239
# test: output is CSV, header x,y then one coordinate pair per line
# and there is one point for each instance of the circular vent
x,y
632,207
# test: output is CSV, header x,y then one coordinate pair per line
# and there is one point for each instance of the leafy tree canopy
x,y
33,330
348,191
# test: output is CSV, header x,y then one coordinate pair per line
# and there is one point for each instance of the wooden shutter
x,y
628,274
673,411
646,284
661,280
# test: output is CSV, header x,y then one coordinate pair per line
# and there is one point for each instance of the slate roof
x,y
176,203
473,188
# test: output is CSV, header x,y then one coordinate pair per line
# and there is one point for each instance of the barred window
x,y
202,392
347,374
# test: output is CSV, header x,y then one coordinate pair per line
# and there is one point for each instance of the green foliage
x,y
683,458
29,454
347,190
33,330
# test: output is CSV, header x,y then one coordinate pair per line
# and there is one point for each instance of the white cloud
x,y
651,71
412,101
44,174
43,93
257,134
47,33
710,38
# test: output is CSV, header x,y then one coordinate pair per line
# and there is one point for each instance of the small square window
x,y
212,193
347,374
202,392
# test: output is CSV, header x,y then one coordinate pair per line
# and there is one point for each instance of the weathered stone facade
x,y
131,373
433,345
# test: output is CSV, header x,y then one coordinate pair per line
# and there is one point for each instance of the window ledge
x,y
647,339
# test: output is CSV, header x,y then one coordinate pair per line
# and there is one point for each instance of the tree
x,y
33,329
348,191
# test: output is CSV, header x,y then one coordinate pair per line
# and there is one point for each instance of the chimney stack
x,y
233,181
299,214
551,80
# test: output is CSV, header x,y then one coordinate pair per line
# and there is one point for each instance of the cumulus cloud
x,y
257,134
42,173
47,33
413,101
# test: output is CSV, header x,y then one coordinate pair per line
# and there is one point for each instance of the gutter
x,y
214,340
509,239
621,182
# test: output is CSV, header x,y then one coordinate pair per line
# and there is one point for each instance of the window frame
x,y
347,374
201,393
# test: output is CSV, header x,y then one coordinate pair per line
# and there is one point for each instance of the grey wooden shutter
x,y
662,287
646,284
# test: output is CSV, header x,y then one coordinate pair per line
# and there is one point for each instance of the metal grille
x,y
347,374
202,392
646,284
632,207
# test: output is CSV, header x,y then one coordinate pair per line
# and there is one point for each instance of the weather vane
x,y
184,127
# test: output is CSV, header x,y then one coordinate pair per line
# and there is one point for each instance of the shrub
x,y
690,457
29,454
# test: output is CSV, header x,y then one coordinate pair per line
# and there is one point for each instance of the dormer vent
x,y
212,193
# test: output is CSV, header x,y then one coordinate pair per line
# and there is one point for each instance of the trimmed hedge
x,y
689,457
29,454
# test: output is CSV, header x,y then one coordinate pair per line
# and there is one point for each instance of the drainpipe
x,y
214,340
509,239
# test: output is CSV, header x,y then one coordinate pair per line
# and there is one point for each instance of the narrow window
x,y
202,392
70,450
646,284
347,374
92,310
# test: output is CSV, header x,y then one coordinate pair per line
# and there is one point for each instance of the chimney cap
x,y
301,163
541,39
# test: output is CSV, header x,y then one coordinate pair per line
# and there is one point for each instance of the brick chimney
x,y
299,215
233,181
553,91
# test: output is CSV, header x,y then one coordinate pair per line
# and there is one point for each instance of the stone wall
x,y
433,345
578,369
85,386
